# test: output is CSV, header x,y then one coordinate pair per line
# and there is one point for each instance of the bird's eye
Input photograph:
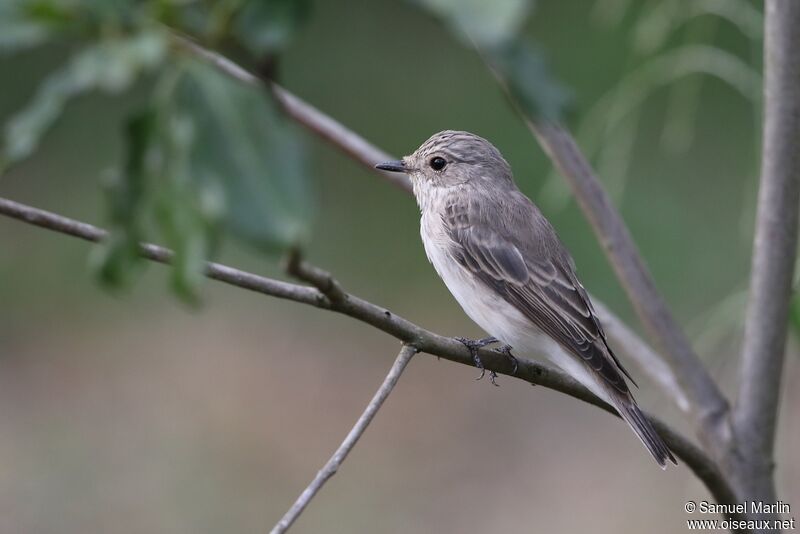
x,y
437,164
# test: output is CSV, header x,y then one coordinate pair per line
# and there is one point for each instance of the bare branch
x,y
394,325
349,442
304,113
775,248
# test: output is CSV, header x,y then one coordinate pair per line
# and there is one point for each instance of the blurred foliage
x,y
484,23
111,65
671,42
210,153
206,154
522,69
265,27
119,257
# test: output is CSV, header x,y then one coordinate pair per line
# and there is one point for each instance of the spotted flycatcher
x,y
505,265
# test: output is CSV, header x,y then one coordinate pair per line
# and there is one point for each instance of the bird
x,y
505,265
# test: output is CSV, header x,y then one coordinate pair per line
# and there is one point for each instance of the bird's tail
x,y
632,415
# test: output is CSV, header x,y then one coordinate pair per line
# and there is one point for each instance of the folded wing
x,y
540,282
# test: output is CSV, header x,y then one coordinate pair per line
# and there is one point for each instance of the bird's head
x,y
451,158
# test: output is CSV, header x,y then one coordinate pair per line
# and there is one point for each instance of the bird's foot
x,y
505,350
493,378
473,345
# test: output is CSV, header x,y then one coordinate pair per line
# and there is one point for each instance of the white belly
x,y
495,315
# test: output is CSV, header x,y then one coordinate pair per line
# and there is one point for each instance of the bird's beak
x,y
392,166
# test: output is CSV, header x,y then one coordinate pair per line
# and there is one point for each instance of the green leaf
x,y
214,154
523,70
265,26
117,259
482,22
185,225
110,65
245,149
29,23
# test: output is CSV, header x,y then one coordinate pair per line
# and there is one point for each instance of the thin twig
x,y
394,325
349,442
304,113
341,137
315,276
184,42
775,249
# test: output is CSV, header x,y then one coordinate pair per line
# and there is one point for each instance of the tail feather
x,y
632,415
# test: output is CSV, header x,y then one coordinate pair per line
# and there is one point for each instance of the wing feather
x,y
540,283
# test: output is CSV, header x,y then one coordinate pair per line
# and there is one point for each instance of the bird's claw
x,y
493,378
473,345
505,350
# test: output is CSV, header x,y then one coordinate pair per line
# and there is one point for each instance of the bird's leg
x,y
473,345
505,350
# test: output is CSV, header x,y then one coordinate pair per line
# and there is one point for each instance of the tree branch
x,y
775,249
332,466
406,331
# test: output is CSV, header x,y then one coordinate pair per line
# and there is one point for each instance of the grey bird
x,y
503,262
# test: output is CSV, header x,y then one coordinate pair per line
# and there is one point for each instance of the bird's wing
x,y
538,281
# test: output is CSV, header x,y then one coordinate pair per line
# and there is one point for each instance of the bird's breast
x,y
484,306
